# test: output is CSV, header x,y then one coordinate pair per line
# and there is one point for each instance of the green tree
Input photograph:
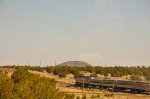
x,y
32,86
6,86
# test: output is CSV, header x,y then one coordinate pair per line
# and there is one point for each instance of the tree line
x,y
116,71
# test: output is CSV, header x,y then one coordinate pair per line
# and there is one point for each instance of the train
x,y
116,85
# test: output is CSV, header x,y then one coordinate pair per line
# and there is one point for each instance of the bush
x,y
78,97
83,97
135,77
6,86
98,96
108,95
93,75
49,69
69,96
93,97
62,75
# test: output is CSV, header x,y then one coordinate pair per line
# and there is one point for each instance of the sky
x,y
99,32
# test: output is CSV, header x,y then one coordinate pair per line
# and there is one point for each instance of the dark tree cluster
x,y
115,71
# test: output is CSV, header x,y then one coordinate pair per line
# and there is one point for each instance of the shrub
x,y
83,97
98,96
93,97
135,77
62,75
6,86
78,97
93,75
108,95
69,96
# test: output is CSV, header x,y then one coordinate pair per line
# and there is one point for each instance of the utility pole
x,y
83,84
55,63
40,63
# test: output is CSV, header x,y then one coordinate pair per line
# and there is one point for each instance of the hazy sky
x,y
111,32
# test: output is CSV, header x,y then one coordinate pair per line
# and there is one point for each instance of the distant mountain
x,y
74,63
